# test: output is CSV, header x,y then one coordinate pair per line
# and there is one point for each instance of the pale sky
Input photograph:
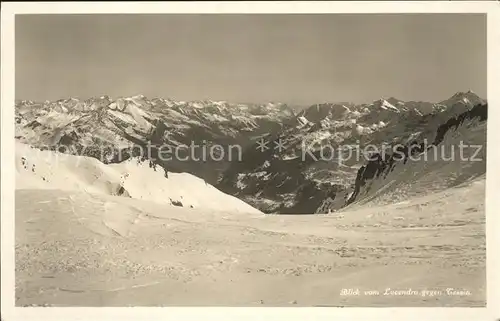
x,y
296,59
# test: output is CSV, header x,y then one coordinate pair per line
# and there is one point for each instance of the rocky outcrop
x,y
479,112
379,165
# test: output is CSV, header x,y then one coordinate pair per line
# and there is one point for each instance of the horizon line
x,y
384,97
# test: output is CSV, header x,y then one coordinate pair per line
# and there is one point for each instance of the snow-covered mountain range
x,y
320,157
106,128
282,178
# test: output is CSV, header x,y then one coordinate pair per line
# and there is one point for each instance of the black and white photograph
x,y
250,160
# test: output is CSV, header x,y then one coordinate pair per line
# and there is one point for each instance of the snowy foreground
x,y
75,248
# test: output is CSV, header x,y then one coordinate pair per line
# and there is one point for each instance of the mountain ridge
x,y
112,130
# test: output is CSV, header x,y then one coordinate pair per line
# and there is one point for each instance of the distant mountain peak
x,y
468,98
384,104
467,94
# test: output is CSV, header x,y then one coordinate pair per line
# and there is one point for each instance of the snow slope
x,y
37,169
78,249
